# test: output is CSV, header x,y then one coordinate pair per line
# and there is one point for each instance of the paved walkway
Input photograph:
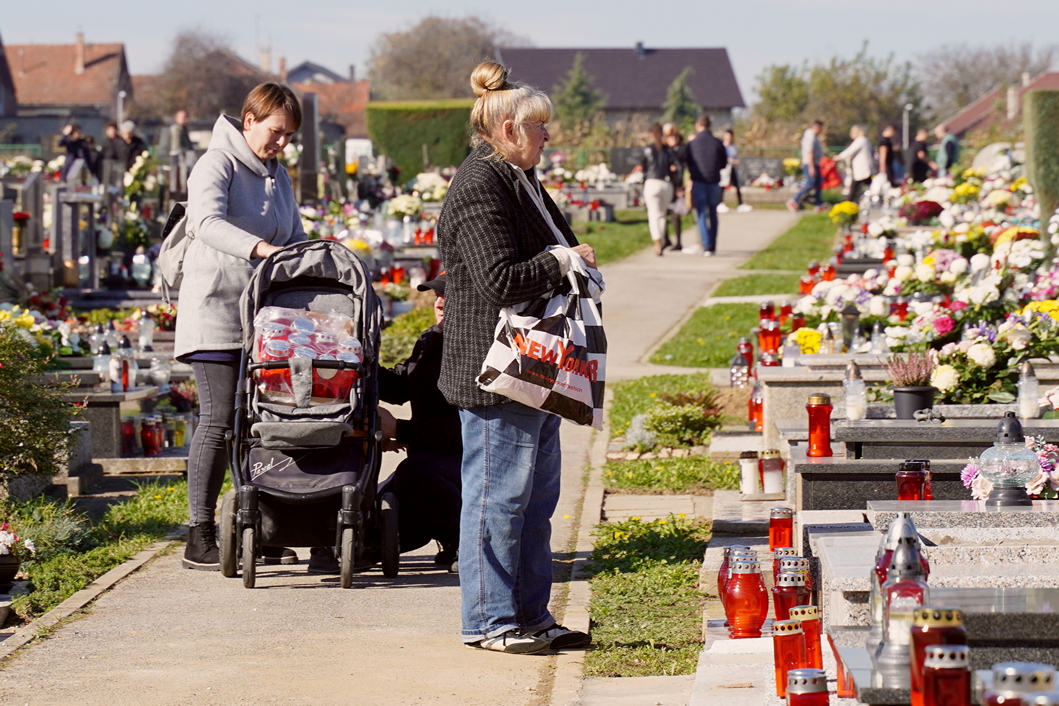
x,y
167,635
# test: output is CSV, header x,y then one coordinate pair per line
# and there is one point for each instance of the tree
x,y
577,104
435,58
680,106
843,92
203,76
955,75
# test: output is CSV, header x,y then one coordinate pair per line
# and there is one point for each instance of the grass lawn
x,y
627,235
811,238
709,337
697,475
632,397
646,607
759,284
72,551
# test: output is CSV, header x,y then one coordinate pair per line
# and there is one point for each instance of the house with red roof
x,y
1001,105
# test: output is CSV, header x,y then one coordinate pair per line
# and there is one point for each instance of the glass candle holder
x,y
771,471
781,527
807,687
812,628
827,272
797,322
932,625
1014,682
819,409
746,348
1050,698
796,565
788,592
723,571
747,603
748,473
946,676
766,310
780,553
769,335
806,284
928,485
911,481
813,269
788,651
756,408
786,310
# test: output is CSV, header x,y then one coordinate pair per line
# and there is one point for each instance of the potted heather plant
x,y
910,377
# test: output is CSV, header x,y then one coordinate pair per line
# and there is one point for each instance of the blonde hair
x,y
500,100
857,131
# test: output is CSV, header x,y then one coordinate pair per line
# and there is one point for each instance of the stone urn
x,y
8,568
909,400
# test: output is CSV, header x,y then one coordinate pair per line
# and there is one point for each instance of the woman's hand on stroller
x,y
388,427
263,249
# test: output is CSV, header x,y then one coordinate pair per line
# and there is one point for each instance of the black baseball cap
x,y
437,284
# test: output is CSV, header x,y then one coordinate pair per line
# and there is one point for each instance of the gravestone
x,y
7,226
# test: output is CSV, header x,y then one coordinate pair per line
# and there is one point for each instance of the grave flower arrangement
x,y
921,213
1044,487
14,546
431,186
792,166
404,205
844,214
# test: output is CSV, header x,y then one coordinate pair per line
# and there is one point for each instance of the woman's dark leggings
x,y
208,458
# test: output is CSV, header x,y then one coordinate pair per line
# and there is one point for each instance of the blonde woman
x,y
657,165
494,231
861,161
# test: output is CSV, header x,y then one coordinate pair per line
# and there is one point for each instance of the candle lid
x,y
770,453
946,657
804,612
790,578
806,681
910,467
779,512
780,552
853,371
793,563
819,398
1022,677
937,616
787,627
744,566
728,551
1050,698
748,454
924,461
1026,369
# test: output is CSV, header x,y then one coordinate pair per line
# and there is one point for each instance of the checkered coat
x,y
492,241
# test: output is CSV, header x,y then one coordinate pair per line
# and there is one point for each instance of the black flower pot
x,y
909,400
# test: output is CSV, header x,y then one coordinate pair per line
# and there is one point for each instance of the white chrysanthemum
x,y
979,262
925,273
903,273
906,259
945,378
878,306
958,266
982,355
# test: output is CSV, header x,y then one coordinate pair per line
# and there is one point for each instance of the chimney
x,y
1013,102
1026,79
640,51
352,73
265,61
283,69
79,53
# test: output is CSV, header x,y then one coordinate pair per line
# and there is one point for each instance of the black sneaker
x,y
445,557
278,555
201,552
513,642
322,560
560,638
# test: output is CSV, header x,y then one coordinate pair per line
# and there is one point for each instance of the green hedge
x,y
1041,124
399,130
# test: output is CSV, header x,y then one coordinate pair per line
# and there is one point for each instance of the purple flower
x,y
969,473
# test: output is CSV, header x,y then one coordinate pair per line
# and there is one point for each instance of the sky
x,y
337,33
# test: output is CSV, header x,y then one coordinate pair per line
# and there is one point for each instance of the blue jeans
x,y
706,197
811,183
510,474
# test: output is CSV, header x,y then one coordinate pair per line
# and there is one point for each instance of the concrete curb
x,y
87,595
566,683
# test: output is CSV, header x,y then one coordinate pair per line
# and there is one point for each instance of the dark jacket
x,y
75,149
656,162
680,161
114,149
706,158
435,424
492,241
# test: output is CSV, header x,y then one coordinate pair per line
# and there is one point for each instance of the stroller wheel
x,y
348,552
228,539
249,560
391,541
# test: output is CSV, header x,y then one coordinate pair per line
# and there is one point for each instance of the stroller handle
x,y
283,365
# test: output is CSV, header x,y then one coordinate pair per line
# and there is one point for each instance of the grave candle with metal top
x,y
928,486
780,553
932,625
747,604
1014,682
769,336
771,471
809,617
788,592
756,408
1050,698
788,651
946,676
904,591
797,565
911,481
807,687
766,310
748,472
722,572
819,409
781,527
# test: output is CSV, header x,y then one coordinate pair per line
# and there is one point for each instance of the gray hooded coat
x,y
234,202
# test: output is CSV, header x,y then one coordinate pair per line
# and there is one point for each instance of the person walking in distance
x,y
948,150
811,153
679,209
728,138
656,163
706,158
918,158
889,159
861,162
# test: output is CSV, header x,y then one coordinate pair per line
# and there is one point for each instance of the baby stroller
x,y
305,450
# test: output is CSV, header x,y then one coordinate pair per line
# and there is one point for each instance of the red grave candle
x,y
788,592
932,626
819,409
809,616
747,603
947,676
911,481
807,687
781,527
788,651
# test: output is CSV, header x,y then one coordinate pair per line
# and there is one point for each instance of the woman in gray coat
x,y
241,208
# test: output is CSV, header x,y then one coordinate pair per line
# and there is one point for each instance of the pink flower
x,y
957,305
944,325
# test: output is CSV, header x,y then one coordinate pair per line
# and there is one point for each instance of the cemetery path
x,y
167,635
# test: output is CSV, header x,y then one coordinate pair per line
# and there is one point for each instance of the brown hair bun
x,y
488,76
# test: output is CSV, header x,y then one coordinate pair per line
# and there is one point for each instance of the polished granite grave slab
x,y
971,514
951,439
